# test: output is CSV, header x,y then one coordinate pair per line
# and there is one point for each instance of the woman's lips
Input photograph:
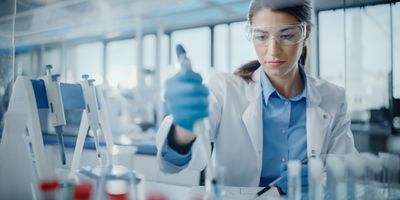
x,y
275,63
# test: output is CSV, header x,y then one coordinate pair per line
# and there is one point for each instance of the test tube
x,y
374,170
294,180
315,174
336,186
356,172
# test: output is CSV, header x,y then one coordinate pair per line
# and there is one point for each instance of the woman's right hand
x,y
186,98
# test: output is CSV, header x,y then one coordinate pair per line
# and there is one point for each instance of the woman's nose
x,y
274,47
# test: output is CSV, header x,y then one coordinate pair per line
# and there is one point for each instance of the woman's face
x,y
278,57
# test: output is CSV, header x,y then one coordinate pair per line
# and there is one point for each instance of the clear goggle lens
x,y
284,35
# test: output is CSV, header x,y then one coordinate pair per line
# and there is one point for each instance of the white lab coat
x,y
236,127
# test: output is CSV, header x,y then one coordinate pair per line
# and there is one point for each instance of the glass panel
x,y
197,44
52,56
26,63
121,69
368,63
89,60
396,50
221,40
242,51
165,65
331,39
149,51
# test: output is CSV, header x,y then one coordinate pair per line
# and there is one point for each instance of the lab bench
x,y
144,161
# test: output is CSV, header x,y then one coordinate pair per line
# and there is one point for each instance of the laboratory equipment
x,y
390,175
336,187
373,175
49,189
95,118
294,180
83,191
315,179
56,108
89,94
114,182
18,172
213,182
27,97
355,171
273,183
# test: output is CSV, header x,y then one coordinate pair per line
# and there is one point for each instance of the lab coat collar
x,y
314,97
317,118
268,89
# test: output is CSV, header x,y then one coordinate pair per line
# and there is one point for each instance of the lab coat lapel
x,y
252,116
318,121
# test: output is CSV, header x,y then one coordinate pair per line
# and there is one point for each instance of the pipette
x,y
89,93
200,130
52,85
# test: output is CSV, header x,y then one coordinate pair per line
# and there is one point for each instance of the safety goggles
x,y
284,35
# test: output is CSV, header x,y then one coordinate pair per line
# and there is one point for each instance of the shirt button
x,y
286,102
283,131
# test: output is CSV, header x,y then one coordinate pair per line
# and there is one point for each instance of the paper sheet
x,y
241,193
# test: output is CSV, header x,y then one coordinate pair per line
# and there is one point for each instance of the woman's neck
x,y
289,85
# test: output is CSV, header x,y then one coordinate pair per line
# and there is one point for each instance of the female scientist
x,y
268,112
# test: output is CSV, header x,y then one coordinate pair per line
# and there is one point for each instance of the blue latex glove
x,y
283,183
186,98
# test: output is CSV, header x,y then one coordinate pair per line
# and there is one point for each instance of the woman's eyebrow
x,y
259,30
287,28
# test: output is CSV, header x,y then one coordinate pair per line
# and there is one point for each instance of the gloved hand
x,y
283,183
186,98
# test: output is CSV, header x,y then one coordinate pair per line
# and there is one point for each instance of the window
x,y
121,69
367,57
396,49
221,49
52,56
165,65
331,39
26,64
242,51
149,52
355,53
89,60
197,44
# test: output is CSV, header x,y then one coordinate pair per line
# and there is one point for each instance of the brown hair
x,y
300,9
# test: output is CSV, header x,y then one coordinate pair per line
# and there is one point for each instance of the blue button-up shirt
x,y
284,131
284,128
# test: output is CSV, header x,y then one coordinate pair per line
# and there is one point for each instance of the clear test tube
x,y
335,184
315,179
373,173
390,175
356,174
294,180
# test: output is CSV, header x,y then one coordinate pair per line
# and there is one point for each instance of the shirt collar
x,y
268,89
